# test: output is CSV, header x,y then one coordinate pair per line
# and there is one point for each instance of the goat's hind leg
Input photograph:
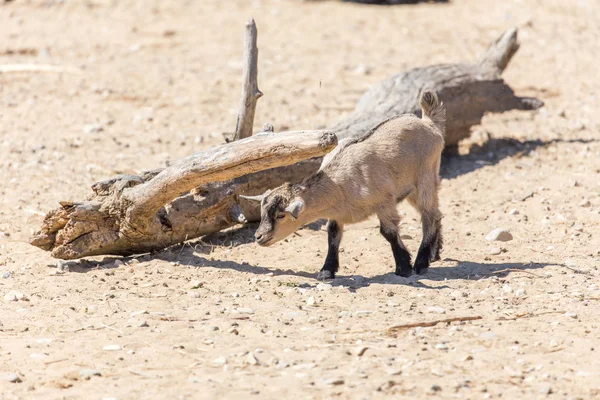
x,y
431,218
389,220
332,261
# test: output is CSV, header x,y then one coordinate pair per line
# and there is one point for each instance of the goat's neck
x,y
319,199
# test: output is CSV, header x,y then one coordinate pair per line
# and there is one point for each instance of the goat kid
x,y
398,159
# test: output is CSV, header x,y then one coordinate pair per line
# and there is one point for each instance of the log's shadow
x,y
492,152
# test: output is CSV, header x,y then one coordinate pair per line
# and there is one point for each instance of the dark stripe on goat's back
x,y
369,133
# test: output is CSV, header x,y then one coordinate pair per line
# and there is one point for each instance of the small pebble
x,y
546,389
219,361
362,313
520,293
195,284
324,286
585,203
136,313
11,377
251,359
245,310
334,381
88,373
441,346
436,310
194,295
507,288
494,251
311,301
488,335
570,315
6,275
257,297
112,347
92,128
14,295
499,235
436,388
514,211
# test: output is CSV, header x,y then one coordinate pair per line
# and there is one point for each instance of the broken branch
x,y
250,91
392,330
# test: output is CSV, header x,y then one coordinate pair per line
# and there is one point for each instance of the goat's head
x,y
280,213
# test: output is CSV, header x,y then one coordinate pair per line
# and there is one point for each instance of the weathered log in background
x,y
467,90
103,225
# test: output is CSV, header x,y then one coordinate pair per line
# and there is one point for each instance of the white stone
x,y
494,251
12,377
436,310
92,128
112,347
311,301
520,293
362,313
14,295
499,235
195,284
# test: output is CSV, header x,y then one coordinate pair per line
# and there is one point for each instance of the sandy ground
x,y
224,318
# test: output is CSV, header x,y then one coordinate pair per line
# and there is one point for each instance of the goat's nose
x,y
258,236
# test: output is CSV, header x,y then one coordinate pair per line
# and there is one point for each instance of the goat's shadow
x,y
187,255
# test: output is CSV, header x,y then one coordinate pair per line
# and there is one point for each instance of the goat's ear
x,y
295,208
258,198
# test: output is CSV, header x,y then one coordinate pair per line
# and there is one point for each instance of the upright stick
x,y
250,91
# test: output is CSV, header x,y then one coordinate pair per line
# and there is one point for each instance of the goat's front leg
x,y
335,232
389,220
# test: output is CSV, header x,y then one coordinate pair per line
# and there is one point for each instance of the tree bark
x,y
133,214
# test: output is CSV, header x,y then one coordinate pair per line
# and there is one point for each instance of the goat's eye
x,y
280,216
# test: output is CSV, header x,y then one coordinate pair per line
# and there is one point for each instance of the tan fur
x,y
398,159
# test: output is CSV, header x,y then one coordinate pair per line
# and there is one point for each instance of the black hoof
x,y
421,267
405,273
325,275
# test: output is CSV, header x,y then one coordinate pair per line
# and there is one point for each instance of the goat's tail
x,y
433,109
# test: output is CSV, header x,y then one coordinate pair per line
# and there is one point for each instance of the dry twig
x,y
401,327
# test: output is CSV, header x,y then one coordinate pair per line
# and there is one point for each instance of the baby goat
x,y
398,159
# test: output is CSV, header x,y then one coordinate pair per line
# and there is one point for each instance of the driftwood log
x,y
134,214
125,216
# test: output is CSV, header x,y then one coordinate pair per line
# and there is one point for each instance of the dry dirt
x,y
227,319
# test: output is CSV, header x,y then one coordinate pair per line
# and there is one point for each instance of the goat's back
x,y
386,165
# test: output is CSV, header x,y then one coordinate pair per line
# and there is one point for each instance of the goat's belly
x,y
355,216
